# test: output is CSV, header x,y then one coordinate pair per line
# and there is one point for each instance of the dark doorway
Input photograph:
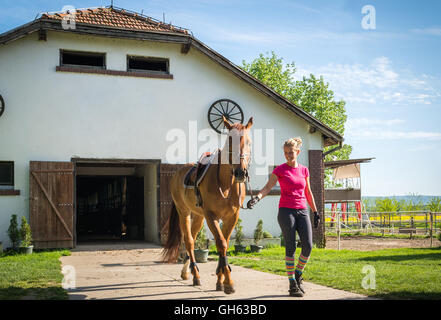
x,y
110,208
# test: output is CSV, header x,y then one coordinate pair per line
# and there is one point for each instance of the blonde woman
x,y
293,211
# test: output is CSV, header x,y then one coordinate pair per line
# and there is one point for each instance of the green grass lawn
x,y
399,273
34,276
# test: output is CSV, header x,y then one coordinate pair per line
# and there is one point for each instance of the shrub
x,y
258,232
25,233
267,235
239,233
201,240
13,232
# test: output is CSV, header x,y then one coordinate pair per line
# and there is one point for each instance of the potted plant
x,y
201,250
258,235
238,247
26,236
13,232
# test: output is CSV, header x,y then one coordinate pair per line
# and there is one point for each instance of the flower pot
x,y
239,248
201,255
255,248
27,250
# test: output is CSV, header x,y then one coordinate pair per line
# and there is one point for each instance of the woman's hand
x,y
252,202
316,219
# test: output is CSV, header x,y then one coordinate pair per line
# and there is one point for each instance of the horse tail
x,y
171,249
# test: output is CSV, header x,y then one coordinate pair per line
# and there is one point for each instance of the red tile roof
x,y
117,18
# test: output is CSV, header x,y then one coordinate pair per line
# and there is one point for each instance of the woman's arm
x,y
269,185
309,196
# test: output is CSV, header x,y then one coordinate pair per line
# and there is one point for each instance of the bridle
x,y
242,156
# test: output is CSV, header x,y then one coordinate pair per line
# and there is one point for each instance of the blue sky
x,y
390,76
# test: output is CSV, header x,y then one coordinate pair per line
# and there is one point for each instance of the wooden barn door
x,y
165,198
51,202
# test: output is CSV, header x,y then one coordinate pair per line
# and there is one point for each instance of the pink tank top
x,y
292,185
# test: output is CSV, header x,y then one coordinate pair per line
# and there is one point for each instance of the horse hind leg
x,y
186,227
196,225
185,269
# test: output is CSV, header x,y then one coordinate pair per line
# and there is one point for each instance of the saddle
x,y
196,173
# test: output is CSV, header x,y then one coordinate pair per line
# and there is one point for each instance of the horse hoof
x,y
219,287
196,282
229,289
184,276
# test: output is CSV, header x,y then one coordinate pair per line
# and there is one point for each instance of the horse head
x,y
238,144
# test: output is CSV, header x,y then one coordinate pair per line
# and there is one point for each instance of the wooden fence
x,y
425,223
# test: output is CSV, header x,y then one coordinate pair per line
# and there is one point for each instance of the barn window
x,y
6,174
83,59
148,64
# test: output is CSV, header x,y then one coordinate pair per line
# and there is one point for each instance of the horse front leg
x,y
224,281
227,228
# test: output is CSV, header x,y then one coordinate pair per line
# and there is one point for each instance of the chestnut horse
x,y
223,192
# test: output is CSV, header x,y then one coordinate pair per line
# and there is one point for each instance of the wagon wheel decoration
x,y
227,108
2,105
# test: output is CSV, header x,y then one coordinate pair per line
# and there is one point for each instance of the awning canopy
x,y
340,163
348,171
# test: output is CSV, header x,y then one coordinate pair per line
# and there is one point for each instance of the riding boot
x,y
299,280
294,290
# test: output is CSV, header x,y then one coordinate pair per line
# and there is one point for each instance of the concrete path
x,y
135,272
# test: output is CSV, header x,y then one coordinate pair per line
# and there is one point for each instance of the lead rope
x,y
249,188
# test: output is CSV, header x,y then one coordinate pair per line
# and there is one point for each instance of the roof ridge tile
x,y
116,17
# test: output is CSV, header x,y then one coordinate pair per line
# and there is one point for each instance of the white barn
x,y
92,113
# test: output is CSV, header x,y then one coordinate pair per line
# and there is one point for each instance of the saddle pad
x,y
194,174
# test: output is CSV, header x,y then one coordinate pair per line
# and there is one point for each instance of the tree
x,y
311,94
414,203
434,204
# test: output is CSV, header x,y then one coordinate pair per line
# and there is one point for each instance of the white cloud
x,y
378,82
384,129
435,31
382,135
357,122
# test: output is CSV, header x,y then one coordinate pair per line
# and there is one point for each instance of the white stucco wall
x,y
54,116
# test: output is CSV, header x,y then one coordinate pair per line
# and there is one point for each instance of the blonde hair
x,y
293,142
